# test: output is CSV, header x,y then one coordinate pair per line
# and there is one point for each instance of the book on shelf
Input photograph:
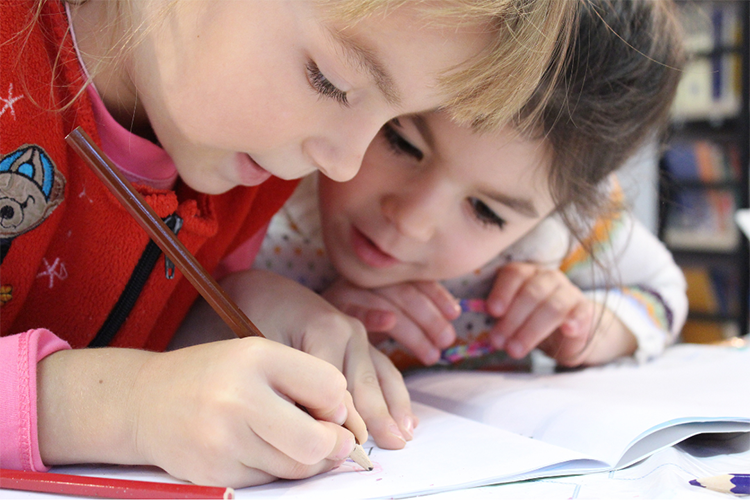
x,y
709,331
703,160
712,290
702,218
711,86
481,428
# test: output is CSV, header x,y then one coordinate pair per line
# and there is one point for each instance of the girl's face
x,y
433,201
237,91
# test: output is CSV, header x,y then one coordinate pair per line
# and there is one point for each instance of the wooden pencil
x,y
731,483
78,485
168,242
161,234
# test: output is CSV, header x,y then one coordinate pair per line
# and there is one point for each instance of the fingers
x,y
343,341
228,413
395,392
364,375
440,297
508,281
424,313
365,305
538,303
374,320
414,339
313,433
259,462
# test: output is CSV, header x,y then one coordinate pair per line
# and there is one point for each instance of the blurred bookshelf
x,y
704,171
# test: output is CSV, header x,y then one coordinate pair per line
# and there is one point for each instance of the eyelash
x,y
401,146
484,214
323,86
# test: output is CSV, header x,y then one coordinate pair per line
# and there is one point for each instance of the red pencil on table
x,y
77,485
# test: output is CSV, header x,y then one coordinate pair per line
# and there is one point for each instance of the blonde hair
x,y
529,38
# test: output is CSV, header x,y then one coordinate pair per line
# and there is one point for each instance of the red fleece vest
x,y
69,247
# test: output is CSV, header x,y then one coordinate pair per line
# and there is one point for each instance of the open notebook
x,y
481,428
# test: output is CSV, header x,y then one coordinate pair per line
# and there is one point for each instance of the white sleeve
x,y
635,276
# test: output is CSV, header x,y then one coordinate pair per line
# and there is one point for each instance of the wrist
x,y
612,340
87,410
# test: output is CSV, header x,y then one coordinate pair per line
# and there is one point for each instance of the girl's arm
x,y
638,281
19,356
223,413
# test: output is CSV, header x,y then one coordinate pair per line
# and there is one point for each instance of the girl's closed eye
x,y
323,86
398,144
484,214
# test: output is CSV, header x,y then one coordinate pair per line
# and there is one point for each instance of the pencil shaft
x,y
171,246
162,235
75,485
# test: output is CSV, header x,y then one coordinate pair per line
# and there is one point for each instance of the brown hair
x,y
620,77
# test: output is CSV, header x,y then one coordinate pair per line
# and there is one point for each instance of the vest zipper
x,y
134,287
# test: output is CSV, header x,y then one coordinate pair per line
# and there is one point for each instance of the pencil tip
x,y
695,482
359,456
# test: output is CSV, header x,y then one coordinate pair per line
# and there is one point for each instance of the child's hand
x,y
417,314
222,413
539,307
294,315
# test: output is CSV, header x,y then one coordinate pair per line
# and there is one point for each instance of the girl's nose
x,y
339,164
339,155
415,215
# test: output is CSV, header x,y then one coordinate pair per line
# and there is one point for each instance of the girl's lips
x,y
369,253
250,173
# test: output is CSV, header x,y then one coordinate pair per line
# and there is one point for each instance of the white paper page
x,y
447,453
599,411
665,475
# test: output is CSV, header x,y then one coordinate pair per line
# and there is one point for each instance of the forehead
x,y
407,53
503,159
489,148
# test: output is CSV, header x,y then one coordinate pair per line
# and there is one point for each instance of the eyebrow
x,y
523,206
367,59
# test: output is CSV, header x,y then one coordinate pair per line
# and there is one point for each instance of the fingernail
x,y
394,430
408,427
569,326
432,357
446,337
495,307
498,342
514,349
339,417
347,446
456,308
